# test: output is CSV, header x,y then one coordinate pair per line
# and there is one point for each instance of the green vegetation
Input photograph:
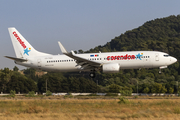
x,y
123,100
69,95
48,93
156,35
31,94
13,80
12,93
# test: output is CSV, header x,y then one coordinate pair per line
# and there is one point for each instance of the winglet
x,y
72,52
62,48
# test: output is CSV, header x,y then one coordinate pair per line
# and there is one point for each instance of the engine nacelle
x,y
111,68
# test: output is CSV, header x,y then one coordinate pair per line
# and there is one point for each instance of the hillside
x,y
158,35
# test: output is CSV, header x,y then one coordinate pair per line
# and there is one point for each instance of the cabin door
x,y
157,57
39,63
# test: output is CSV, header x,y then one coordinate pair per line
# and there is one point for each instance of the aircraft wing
x,y
85,63
80,59
16,59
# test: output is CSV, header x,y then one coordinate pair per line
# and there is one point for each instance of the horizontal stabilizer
x,y
16,59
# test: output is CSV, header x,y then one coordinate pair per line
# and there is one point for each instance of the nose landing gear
x,y
159,71
162,67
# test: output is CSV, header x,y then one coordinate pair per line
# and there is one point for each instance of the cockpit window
x,y
166,55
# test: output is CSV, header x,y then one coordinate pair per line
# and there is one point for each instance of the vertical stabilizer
x,y
21,46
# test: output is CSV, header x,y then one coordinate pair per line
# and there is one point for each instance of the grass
x,y
89,109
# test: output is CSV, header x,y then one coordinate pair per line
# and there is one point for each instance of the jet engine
x,y
111,68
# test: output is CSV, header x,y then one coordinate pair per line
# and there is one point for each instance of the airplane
x,y
107,62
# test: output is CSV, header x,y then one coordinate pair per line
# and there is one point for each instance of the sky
x,y
77,24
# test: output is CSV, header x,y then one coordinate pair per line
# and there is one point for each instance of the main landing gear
x,y
92,74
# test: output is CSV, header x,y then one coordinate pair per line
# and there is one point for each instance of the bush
x,y
135,96
69,95
31,94
12,93
48,93
176,110
123,100
113,88
126,92
178,93
146,90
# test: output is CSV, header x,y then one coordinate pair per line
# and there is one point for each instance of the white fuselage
x,y
110,62
126,60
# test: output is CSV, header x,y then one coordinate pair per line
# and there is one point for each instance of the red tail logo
x,y
19,39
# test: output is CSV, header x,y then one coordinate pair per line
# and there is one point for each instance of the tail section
x,y
21,46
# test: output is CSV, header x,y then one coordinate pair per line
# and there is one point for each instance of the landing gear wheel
x,y
92,75
159,71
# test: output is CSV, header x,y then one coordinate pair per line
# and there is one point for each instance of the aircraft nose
x,y
173,60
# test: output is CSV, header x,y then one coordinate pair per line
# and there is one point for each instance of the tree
x,y
6,71
146,90
163,89
55,82
20,83
156,88
80,51
113,88
126,91
74,84
15,68
31,73
171,90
